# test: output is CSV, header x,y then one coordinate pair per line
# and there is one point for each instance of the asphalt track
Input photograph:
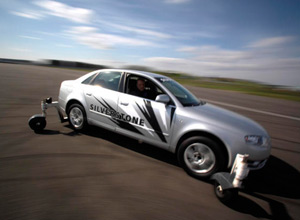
x,y
61,174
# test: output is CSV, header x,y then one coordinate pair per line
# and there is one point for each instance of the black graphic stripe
x,y
172,115
101,102
151,118
117,121
108,105
126,126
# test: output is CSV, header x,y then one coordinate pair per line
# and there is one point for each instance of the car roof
x,y
141,73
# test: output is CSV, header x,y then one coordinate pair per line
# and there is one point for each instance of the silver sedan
x,y
156,109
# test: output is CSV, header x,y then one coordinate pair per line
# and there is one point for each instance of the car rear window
x,y
88,80
108,80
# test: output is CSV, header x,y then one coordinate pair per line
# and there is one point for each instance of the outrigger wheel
x,y
37,123
225,195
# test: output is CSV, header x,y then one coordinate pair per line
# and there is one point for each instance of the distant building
x,y
15,61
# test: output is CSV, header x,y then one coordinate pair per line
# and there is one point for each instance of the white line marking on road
x,y
253,110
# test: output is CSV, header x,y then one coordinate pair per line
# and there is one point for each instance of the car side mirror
x,y
163,98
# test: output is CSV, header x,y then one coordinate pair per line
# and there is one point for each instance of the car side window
x,y
108,80
150,90
88,80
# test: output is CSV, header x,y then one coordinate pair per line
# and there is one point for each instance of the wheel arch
x,y
71,102
208,135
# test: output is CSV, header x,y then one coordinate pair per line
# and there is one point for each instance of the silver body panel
x,y
159,124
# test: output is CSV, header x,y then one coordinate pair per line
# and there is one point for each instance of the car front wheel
x,y
200,157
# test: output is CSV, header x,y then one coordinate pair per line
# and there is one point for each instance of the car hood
x,y
216,116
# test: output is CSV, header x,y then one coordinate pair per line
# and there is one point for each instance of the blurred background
x,y
219,40
209,46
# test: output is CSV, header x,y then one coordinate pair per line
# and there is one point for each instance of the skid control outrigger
x,y
38,122
227,184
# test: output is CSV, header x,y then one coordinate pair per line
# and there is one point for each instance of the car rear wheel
x,y
77,117
200,157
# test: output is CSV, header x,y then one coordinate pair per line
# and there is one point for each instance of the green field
x,y
243,86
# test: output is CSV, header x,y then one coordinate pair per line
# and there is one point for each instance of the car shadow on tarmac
x,y
122,141
134,145
277,178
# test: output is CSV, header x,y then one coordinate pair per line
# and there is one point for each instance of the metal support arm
x,y
238,173
47,103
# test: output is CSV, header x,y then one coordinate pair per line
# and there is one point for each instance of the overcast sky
x,y
253,39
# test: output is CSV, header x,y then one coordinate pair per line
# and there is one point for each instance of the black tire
x,y
37,123
77,117
201,157
225,196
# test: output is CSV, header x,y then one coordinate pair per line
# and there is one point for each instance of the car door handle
x,y
89,94
123,103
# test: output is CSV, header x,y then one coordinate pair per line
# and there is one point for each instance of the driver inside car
x,y
140,89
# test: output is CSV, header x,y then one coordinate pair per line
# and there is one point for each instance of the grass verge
x,y
248,87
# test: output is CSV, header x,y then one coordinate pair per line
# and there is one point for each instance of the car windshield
x,y
185,97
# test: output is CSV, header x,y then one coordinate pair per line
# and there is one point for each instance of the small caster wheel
x,y
227,195
37,123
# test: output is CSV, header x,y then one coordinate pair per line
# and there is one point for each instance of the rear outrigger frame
x,y
38,122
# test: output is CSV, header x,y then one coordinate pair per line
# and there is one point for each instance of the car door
x,y
144,118
102,95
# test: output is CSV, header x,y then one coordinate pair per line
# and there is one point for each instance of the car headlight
x,y
256,140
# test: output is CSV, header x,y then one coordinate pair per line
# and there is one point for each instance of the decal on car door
x,y
120,119
134,119
148,113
